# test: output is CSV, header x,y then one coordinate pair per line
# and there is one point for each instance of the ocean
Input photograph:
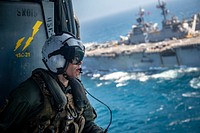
x,y
158,101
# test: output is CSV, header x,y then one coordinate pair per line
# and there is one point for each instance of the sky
x,y
91,9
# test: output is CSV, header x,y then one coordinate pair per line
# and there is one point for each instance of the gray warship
x,y
146,47
144,32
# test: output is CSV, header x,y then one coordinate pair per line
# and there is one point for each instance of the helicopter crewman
x,y
52,99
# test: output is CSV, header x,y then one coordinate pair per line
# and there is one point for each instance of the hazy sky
x,y
90,9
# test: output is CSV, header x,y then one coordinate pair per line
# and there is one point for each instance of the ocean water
x,y
147,102
159,101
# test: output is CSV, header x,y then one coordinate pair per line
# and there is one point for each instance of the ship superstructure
x,y
144,32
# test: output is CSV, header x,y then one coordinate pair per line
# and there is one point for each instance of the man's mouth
x,y
79,70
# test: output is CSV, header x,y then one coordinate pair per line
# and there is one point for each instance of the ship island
x,y
146,47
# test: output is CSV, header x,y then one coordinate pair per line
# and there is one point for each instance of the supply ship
x,y
146,47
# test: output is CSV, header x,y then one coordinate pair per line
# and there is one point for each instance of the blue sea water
x,y
159,101
147,102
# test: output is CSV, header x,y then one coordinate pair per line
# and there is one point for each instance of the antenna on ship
x,y
141,13
165,11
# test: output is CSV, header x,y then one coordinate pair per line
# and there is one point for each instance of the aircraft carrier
x,y
144,56
177,44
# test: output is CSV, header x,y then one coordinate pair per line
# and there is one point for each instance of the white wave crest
x,y
121,77
170,74
179,122
175,73
191,94
124,76
195,83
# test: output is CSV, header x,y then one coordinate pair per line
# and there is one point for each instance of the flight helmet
x,y
60,50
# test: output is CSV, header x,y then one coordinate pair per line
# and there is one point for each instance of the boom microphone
x,y
80,70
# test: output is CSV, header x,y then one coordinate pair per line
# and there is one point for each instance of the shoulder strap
x,y
53,87
43,118
78,92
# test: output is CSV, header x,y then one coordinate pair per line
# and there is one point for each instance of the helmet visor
x,y
78,56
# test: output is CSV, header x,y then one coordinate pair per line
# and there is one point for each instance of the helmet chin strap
x,y
65,73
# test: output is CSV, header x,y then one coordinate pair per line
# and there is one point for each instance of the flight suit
x,y
43,104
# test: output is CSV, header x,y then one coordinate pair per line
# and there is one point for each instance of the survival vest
x,y
62,110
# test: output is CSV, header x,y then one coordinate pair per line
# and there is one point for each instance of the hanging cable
x,y
105,131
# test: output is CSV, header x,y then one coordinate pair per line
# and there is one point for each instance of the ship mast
x,y
165,11
140,19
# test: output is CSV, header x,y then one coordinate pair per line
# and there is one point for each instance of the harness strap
x,y
81,123
68,120
46,114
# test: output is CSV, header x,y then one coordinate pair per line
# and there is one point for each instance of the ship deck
x,y
113,49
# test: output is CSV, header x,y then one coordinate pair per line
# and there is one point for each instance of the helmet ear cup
x,y
55,63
